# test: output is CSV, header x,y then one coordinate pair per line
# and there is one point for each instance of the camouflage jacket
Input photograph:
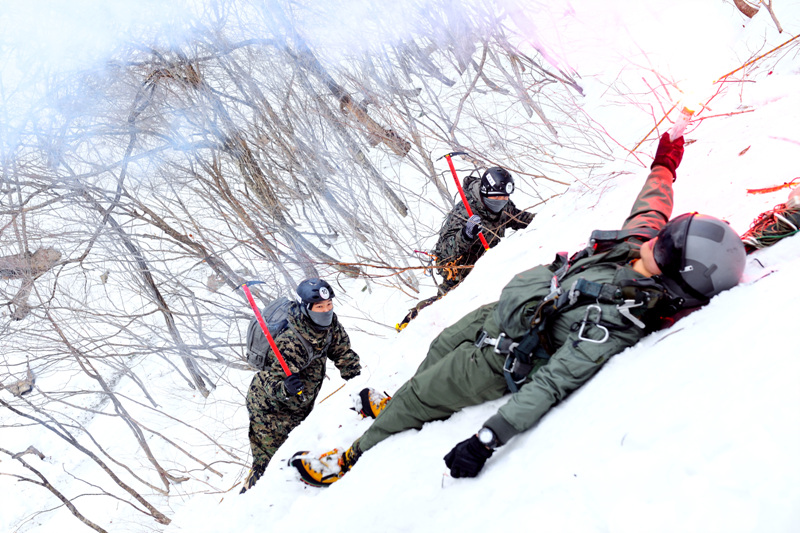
x,y
453,249
311,370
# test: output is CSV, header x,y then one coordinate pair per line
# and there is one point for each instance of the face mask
x,y
495,206
321,318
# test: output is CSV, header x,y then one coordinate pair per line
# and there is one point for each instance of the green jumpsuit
x,y
456,373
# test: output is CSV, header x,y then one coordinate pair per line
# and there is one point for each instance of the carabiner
x,y
595,323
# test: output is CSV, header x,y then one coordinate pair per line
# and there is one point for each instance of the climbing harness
x,y
631,298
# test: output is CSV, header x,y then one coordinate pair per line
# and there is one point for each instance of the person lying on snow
x,y
555,326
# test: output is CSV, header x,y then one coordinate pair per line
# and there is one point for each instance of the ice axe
x,y
461,190
246,288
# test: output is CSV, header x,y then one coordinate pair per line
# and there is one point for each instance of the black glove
x,y
467,458
669,154
472,227
292,385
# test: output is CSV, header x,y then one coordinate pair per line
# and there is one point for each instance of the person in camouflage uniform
x,y
459,245
493,213
555,326
277,404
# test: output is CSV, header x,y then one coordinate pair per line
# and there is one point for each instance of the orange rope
x,y
756,59
775,188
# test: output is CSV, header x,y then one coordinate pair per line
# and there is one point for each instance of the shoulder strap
x,y
312,355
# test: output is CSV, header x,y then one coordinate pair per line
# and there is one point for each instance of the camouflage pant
x,y
270,421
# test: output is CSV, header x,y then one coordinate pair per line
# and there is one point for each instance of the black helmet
x,y
497,181
699,257
314,290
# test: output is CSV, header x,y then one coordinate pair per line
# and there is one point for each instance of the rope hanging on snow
x,y
771,226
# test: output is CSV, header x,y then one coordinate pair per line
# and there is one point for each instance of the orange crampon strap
x,y
775,188
431,262
450,272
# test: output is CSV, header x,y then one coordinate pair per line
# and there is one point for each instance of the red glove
x,y
669,154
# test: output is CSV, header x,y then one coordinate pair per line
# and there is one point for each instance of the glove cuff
x,y
667,165
280,392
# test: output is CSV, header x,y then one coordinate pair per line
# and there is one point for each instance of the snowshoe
x,y
370,402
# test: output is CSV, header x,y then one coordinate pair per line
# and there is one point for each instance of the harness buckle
x,y
484,340
625,310
555,289
515,371
596,324
503,345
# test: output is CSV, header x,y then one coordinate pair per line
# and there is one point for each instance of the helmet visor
x,y
669,253
669,249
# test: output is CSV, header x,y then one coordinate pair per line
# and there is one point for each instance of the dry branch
x,y
64,434
43,482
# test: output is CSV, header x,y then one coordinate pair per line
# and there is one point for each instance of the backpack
x,y
276,316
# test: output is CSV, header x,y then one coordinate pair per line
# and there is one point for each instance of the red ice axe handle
x,y
265,329
461,192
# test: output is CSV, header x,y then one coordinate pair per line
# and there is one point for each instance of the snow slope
x,y
694,429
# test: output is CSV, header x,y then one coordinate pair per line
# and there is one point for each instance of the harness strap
x,y
519,355
312,355
625,297
604,292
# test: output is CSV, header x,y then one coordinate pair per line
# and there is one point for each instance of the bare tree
x,y
134,194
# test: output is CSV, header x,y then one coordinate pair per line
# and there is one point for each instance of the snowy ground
x,y
694,429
